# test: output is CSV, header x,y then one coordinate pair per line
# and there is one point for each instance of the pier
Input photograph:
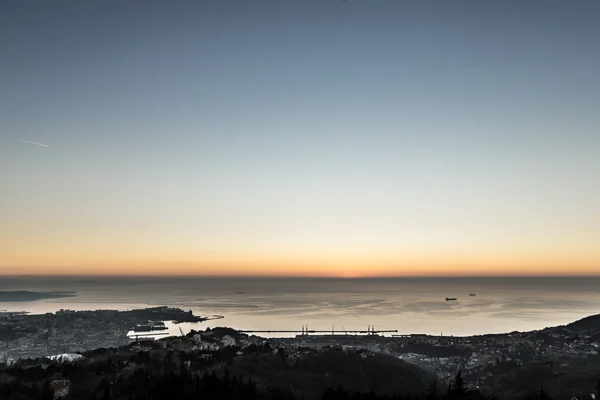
x,y
305,331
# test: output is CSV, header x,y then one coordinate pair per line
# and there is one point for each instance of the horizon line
x,y
257,276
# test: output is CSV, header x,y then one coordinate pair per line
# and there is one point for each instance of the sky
x,y
330,138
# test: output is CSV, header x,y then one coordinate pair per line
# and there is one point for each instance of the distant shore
x,y
17,296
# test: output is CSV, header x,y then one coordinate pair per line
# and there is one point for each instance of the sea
x,y
408,305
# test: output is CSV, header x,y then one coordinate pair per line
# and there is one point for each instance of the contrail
x,y
36,143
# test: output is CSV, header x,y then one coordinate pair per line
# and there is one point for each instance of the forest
x,y
149,371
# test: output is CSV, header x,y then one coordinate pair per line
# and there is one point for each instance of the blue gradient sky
x,y
284,137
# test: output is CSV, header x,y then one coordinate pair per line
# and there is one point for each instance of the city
x,y
485,360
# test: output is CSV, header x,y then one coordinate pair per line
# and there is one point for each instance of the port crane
x,y
305,331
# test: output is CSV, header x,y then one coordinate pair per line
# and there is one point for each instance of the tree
x,y
432,390
281,354
46,392
457,389
106,392
543,394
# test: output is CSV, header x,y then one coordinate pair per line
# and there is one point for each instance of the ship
x,y
472,294
150,326
450,298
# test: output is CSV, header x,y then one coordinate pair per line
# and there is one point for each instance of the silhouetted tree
x,y
281,354
105,389
339,394
543,394
457,389
432,390
46,392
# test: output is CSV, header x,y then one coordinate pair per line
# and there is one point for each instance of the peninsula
x,y
36,335
12,296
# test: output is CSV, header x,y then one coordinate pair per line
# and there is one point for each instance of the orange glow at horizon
x,y
302,149
406,265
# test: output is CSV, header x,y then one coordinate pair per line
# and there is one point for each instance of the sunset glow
x,y
342,139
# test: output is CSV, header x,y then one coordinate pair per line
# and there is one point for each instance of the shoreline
x,y
141,307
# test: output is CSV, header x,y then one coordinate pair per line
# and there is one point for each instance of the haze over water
x,y
408,305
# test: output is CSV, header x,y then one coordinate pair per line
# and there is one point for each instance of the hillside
x,y
586,324
310,373
173,367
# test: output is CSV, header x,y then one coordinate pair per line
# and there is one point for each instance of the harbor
x,y
304,331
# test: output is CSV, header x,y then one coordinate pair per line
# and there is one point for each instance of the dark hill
x,y
313,372
591,323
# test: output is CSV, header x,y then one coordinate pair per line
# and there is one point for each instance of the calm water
x,y
408,305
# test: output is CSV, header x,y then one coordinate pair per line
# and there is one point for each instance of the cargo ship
x,y
150,326
450,298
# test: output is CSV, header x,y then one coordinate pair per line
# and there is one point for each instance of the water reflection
x,y
409,305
